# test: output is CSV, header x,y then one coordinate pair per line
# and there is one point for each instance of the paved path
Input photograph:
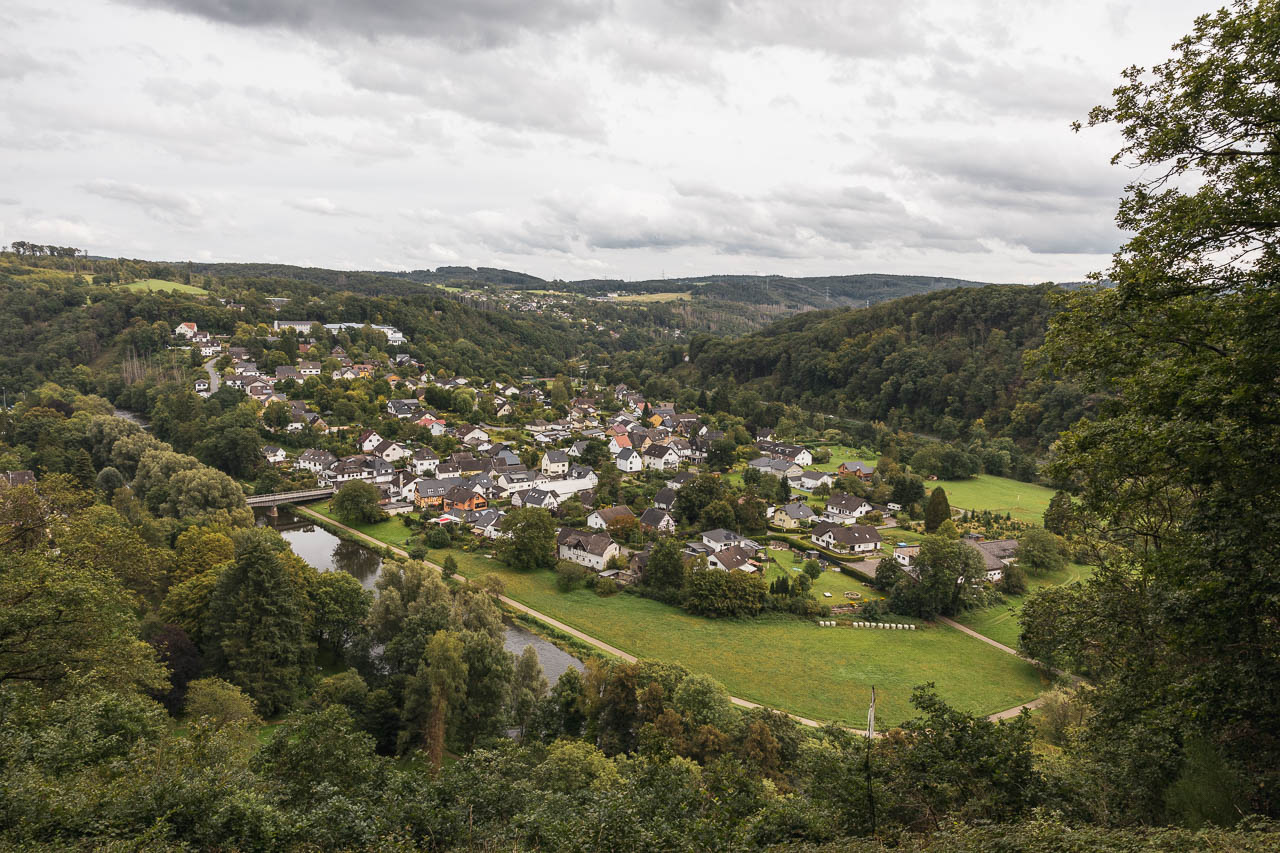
x,y
603,646
214,378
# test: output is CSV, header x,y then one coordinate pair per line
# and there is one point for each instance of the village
x,y
610,468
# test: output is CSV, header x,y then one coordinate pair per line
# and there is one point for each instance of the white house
x,y
844,508
629,461
314,460
185,330
369,439
658,519
592,550
602,518
274,455
846,539
391,451
555,463
424,461
659,457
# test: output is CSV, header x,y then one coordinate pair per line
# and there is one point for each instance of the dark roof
x,y
666,497
653,516
613,513
592,543
852,534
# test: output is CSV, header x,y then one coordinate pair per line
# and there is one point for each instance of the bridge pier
x,y
273,511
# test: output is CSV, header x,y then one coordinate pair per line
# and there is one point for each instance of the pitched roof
x,y
593,543
852,534
611,514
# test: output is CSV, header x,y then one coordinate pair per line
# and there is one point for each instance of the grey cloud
x,y
161,205
319,205
463,23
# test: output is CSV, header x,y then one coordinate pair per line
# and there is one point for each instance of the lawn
x,y
1000,621
391,531
821,673
655,297
786,562
160,284
840,453
1025,501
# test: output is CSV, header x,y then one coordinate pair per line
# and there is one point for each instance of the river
x,y
328,553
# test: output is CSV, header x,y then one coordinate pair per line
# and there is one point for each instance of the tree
x,y
1058,515
722,454
946,569
695,495
530,542
1039,552
665,567
717,514
258,631
276,416
108,480
489,672
1178,462
704,702
1013,581
222,703
339,606
357,502
528,688
937,510
449,567
200,494
436,690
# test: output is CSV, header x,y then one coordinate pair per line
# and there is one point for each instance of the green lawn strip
x,y
791,664
1024,501
392,531
161,284
1000,621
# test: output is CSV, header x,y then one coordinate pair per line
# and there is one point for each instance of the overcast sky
x,y
574,138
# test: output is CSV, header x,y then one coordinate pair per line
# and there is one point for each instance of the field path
x,y
630,658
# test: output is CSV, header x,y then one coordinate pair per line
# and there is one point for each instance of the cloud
x,y
161,205
462,23
319,205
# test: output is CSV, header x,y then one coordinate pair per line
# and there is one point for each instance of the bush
x,y
438,537
570,575
606,587
450,566
220,701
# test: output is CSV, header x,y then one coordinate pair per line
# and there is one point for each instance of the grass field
x,y
392,531
654,297
1000,622
840,454
1024,501
160,284
821,673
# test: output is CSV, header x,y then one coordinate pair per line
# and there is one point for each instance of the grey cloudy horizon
x,y
573,138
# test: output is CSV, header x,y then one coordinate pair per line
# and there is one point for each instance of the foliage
x,y
937,510
530,540
357,502
220,702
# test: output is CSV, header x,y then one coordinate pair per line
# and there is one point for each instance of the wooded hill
x,y
934,362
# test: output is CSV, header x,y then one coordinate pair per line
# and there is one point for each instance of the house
x,y
793,515
462,498
17,478
512,482
780,468
681,479
665,499
358,467
423,461
433,424
274,455
539,498
731,558
602,518
429,493
906,555
309,368
657,519
404,408
202,386
659,457
555,463
391,451
314,460
185,330
629,461
369,439
997,555
486,523
791,452
810,480
844,508
592,550
861,470
469,434
846,539
284,372
719,539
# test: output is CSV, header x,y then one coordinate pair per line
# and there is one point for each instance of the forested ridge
x,y
935,362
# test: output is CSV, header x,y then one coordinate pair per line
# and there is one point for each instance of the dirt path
x,y
605,647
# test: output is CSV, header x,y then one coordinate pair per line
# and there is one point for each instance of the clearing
x,y
1000,621
1024,501
157,284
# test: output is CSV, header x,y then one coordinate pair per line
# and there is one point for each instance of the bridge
x,y
276,498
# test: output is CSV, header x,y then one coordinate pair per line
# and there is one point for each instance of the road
x,y
214,378
605,647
